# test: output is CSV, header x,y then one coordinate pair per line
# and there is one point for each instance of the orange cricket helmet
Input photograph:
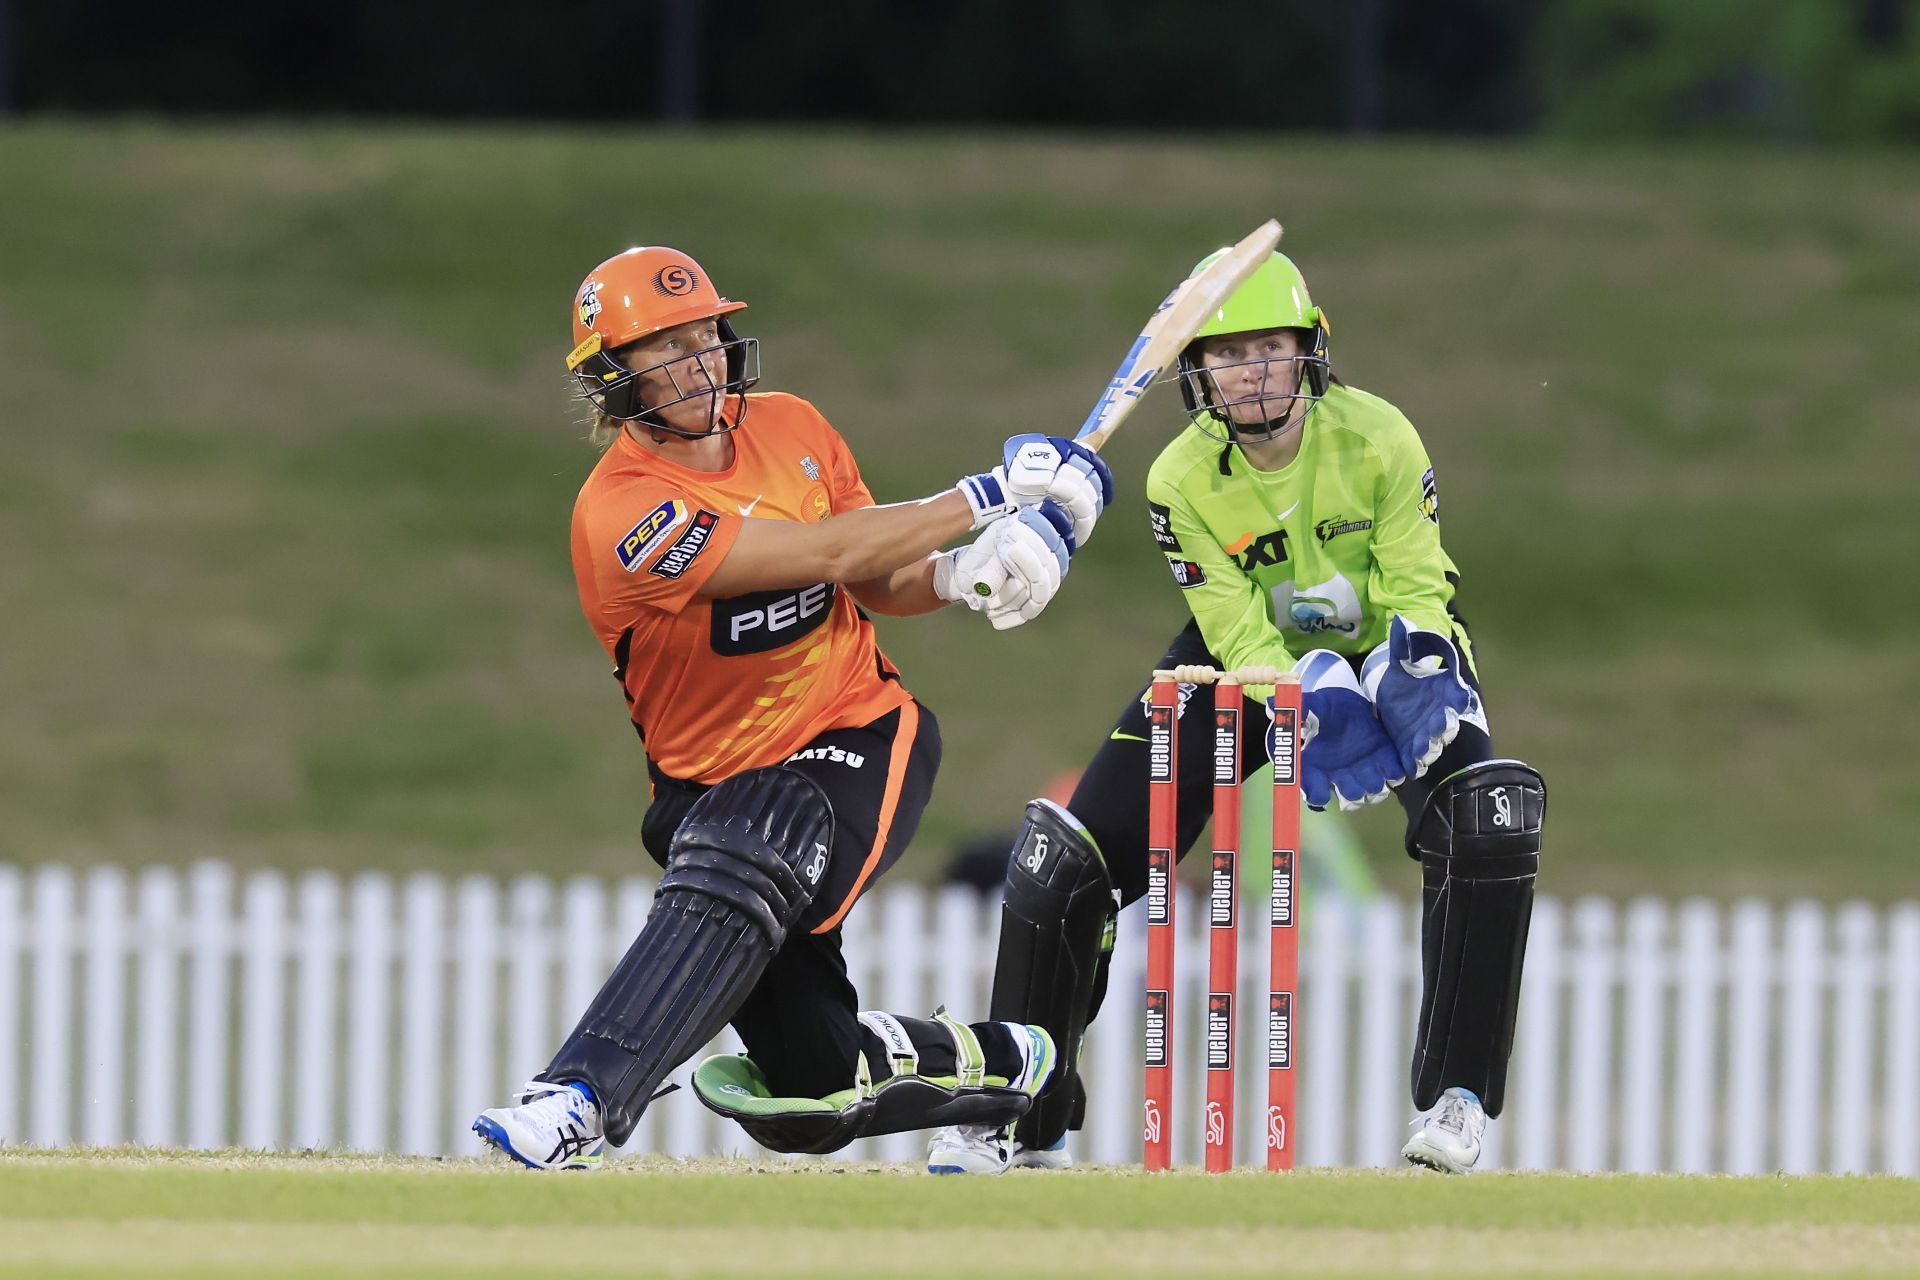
x,y
633,295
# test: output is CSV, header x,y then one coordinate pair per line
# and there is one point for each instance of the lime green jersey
x,y
1319,555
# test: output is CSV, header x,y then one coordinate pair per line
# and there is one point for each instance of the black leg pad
x,y
1479,844
1059,900
742,867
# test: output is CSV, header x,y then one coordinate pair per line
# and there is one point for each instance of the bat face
x,y
1171,327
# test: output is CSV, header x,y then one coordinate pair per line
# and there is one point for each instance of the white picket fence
x,y
209,1009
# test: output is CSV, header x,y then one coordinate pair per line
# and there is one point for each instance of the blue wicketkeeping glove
x,y
1344,753
1417,683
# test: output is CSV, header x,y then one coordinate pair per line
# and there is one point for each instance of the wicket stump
x,y
1223,911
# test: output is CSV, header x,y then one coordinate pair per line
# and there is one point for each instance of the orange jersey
x,y
718,685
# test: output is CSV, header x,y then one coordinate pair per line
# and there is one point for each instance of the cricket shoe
x,y
1449,1135
1053,1157
988,1148
970,1148
556,1126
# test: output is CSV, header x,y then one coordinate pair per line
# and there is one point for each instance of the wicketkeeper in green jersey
x,y
1300,520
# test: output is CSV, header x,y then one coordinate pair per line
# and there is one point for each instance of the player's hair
x,y
602,431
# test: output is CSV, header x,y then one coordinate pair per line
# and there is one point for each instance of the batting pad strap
x,y
904,1058
970,1060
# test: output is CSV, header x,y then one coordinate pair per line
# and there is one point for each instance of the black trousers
x,y
1111,797
800,1024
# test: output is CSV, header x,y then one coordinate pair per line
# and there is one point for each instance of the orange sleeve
x,y
847,491
646,543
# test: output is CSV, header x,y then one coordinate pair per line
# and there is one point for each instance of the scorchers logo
x,y
675,282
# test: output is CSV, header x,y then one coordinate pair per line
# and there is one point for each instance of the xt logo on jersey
x,y
1252,553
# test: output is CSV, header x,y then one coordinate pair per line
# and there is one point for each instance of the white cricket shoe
x,y
988,1148
556,1126
1449,1135
1053,1157
970,1148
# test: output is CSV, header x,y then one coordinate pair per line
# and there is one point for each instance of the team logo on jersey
x,y
645,536
1187,573
1252,553
675,282
1328,530
681,553
1429,497
590,303
812,468
1162,522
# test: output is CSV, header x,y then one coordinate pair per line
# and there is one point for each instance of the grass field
x,y
289,461
142,1214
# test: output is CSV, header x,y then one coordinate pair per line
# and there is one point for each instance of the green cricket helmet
x,y
1273,297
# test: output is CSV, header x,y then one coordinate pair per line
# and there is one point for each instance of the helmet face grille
x,y
615,390
1209,407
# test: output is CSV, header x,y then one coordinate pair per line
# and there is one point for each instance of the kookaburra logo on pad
x,y
1502,808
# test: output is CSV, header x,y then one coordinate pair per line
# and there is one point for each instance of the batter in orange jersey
x,y
724,548
717,685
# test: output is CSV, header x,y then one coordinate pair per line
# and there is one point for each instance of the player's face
x,y
1255,374
681,372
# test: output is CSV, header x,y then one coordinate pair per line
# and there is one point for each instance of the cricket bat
x,y
1171,328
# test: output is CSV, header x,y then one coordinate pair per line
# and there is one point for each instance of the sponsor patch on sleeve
x,y
1162,522
653,528
1429,497
1186,573
684,549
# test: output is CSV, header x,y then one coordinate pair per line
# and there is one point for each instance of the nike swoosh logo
x,y
1284,514
748,509
1118,736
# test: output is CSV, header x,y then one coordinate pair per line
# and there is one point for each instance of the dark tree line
x,y
1797,70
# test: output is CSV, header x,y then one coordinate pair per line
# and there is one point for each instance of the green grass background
x,y
157,1213
288,460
